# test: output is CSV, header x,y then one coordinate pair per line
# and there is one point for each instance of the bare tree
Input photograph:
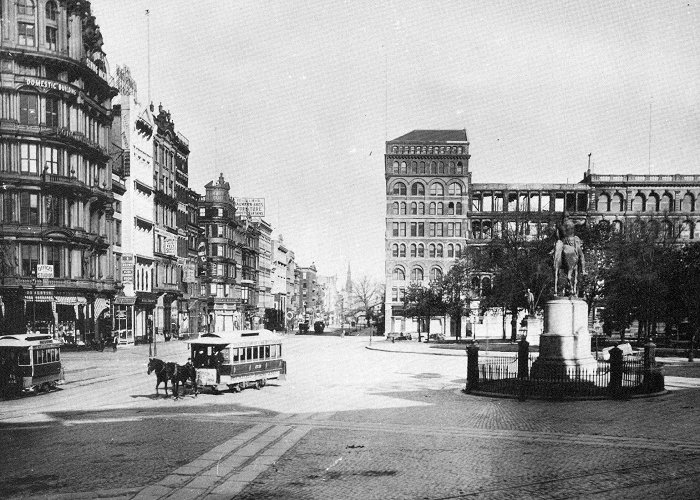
x,y
365,295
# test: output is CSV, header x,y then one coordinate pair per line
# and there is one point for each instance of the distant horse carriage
x,y
176,374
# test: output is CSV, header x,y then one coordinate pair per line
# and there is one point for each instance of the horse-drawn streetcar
x,y
29,362
237,359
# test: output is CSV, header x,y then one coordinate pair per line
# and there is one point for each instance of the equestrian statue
x,y
568,255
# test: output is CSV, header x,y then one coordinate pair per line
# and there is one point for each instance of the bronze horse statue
x,y
568,255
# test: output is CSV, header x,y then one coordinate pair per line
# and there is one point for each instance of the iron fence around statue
x,y
499,375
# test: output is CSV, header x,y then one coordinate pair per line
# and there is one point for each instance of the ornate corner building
x,y
56,214
434,212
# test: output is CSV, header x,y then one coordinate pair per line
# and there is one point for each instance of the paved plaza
x,y
351,421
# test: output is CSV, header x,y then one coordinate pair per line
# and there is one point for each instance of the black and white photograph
x,y
397,250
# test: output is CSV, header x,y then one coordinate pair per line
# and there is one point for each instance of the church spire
x,y
348,281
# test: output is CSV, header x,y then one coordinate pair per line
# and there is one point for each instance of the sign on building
x,y
44,271
250,207
128,268
170,246
189,274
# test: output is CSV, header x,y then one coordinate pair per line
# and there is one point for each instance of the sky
x,y
293,101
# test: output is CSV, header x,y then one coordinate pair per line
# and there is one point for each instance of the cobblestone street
x,y
354,423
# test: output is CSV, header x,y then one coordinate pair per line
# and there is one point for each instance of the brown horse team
x,y
177,374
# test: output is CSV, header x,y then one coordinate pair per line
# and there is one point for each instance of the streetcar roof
x,y
25,340
236,336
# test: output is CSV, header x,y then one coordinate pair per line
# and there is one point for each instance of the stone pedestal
x,y
565,345
534,330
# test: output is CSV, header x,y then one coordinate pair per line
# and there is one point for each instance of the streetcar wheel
x,y
263,382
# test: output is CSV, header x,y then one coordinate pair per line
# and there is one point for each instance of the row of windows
x,y
417,274
67,262
33,159
43,356
27,30
434,250
436,189
26,207
428,150
418,208
529,202
26,8
435,229
423,168
641,203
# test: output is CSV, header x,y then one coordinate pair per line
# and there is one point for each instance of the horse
x,y
180,375
568,254
164,372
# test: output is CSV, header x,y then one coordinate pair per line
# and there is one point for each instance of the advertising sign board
x,y
250,207
128,268
44,271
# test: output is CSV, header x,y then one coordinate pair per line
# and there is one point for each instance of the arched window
x,y
399,274
51,11
421,168
458,209
451,168
421,250
437,190
450,208
618,203
395,208
667,229
688,203
25,7
400,189
403,208
603,203
454,189
395,168
433,167
403,167
476,229
402,250
416,274
395,250
485,285
475,284
460,167
440,208
435,274
417,189
450,250
421,208
414,208
439,251
431,209
414,168
686,231
458,251
638,203
486,229
666,203
414,252
652,203
441,168
431,251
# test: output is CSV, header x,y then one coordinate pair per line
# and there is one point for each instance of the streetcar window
x,y
273,351
24,358
267,352
35,357
255,353
279,348
58,355
227,356
234,352
249,353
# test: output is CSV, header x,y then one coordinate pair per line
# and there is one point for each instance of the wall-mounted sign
x,y
50,84
170,246
189,274
44,271
128,262
250,207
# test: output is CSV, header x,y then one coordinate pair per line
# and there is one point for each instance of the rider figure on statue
x,y
568,254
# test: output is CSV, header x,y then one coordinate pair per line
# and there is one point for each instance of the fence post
x,y
615,385
472,366
523,357
649,356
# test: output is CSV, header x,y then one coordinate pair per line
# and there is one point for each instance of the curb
x,y
372,348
